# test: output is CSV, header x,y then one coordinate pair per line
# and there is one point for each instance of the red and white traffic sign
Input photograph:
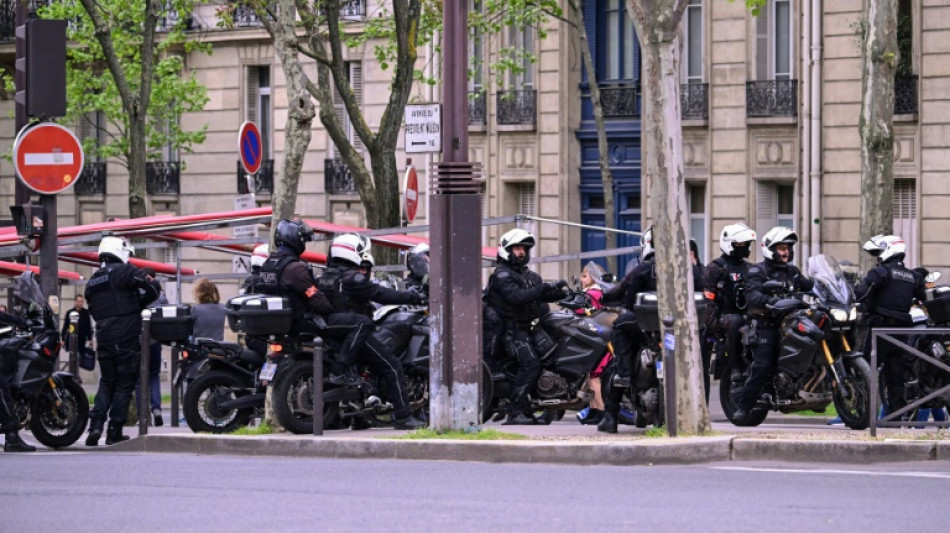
x,y
250,147
412,193
48,158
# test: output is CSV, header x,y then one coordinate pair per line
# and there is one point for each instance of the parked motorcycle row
x,y
224,384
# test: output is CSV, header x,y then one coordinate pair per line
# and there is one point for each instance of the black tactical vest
x,y
105,299
733,292
271,282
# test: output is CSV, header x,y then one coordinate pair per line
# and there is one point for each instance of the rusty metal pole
x,y
21,193
455,220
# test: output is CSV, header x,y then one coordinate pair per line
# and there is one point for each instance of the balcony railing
x,y
245,16
172,18
8,16
905,95
477,108
93,179
339,179
263,180
162,177
773,98
517,107
694,101
353,10
617,101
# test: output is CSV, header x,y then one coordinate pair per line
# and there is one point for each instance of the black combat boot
x,y
114,435
95,432
15,444
609,423
409,423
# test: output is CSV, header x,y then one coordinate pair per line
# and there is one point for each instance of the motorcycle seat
x,y
219,347
252,357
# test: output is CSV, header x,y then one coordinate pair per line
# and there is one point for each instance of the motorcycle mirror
x,y
608,277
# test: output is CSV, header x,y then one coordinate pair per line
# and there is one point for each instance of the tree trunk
x,y
388,202
657,27
607,177
876,124
137,193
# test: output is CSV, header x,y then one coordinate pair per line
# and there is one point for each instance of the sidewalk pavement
x,y
793,438
781,438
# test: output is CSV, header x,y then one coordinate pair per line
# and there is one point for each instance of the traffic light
x,y
29,219
43,68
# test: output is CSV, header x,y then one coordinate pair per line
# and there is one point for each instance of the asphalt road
x,y
104,492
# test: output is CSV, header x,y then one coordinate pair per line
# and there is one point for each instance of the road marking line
x,y
933,475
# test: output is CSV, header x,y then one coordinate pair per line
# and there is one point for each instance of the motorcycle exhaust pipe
x,y
248,400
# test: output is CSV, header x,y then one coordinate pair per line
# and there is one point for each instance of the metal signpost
x,y
411,204
250,149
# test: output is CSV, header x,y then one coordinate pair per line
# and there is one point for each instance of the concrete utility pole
x,y
455,219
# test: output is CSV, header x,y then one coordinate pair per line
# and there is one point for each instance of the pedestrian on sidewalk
x,y
208,311
594,412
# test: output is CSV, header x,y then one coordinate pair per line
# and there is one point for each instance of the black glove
x,y
562,284
418,299
550,292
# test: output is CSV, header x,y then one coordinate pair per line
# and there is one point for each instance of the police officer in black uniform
x,y
258,257
417,263
347,284
9,422
888,292
519,297
723,286
777,248
116,294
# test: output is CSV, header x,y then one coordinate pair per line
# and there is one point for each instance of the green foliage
x,y
91,87
754,6
261,429
656,432
484,434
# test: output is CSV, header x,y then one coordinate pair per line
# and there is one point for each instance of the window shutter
x,y
528,201
340,111
762,44
356,82
590,24
904,209
253,84
765,207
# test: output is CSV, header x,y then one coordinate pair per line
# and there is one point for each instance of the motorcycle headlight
x,y
853,315
839,315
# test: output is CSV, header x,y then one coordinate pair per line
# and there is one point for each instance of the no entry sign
x,y
48,158
412,193
250,147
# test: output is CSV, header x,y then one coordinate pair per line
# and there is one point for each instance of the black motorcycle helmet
x,y
293,234
417,260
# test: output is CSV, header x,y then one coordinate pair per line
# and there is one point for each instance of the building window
x,y
905,81
521,42
775,205
258,104
905,216
620,56
477,103
696,195
693,42
354,71
774,50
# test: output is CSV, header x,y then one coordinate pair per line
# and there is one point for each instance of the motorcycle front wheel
x,y
855,410
293,399
60,426
204,396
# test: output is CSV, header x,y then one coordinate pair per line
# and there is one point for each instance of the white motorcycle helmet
x,y
775,236
350,247
874,246
260,255
734,234
646,244
515,237
891,247
115,247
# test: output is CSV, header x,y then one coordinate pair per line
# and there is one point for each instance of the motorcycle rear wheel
x,y
293,399
202,398
855,411
58,427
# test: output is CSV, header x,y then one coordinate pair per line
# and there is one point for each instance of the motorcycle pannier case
x,y
172,323
261,315
231,310
938,304
648,317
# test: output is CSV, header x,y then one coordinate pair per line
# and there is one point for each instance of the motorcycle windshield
x,y
597,273
28,291
830,284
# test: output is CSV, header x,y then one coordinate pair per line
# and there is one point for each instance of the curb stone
x,y
833,451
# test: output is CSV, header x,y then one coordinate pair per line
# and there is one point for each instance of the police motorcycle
x,y
925,378
51,403
816,365
646,393
219,379
289,365
569,345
